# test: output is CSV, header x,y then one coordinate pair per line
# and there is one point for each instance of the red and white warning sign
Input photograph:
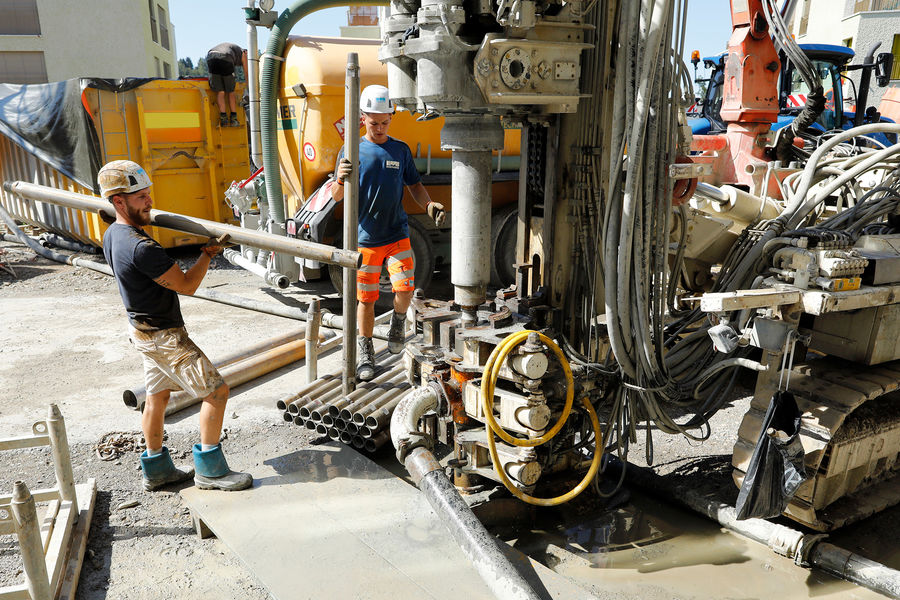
x,y
339,125
309,151
796,100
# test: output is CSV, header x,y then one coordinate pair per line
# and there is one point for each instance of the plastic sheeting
x,y
51,121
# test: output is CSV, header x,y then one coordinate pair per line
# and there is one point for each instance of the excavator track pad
x,y
850,431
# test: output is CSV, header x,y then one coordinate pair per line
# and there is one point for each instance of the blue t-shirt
x,y
383,171
136,260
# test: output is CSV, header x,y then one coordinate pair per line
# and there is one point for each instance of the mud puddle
x,y
644,549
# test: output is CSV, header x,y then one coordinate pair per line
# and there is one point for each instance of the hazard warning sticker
x,y
309,151
339,125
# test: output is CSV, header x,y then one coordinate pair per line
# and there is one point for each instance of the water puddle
x,y
645,549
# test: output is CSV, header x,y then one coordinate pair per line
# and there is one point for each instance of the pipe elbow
x,y
405,420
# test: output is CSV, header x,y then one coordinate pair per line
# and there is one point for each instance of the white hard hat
x,y
122,176
376,99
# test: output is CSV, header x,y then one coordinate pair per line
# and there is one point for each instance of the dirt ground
x,y
63,340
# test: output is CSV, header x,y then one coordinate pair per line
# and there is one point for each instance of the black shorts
x,y
221,73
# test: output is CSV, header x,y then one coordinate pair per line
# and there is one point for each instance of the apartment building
x,y
54,40
857,24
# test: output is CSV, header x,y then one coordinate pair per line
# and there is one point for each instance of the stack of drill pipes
x,y
135,397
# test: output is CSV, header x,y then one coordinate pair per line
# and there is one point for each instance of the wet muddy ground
x,y
62,340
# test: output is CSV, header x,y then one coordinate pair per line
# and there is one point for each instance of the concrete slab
x,y
327,522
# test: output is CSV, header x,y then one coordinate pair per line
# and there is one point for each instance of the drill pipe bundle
x,y
359,419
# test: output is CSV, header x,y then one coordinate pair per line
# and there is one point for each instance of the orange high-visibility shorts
x,y
400,266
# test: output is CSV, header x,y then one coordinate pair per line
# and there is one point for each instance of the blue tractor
x,y
828,62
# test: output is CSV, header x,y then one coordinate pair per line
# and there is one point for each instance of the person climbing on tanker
x,y
221,61
149,283
385,167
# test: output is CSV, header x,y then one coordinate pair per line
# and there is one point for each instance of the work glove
x,y
106,218
437,213
343,171
215,245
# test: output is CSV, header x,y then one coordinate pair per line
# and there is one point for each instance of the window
x,y
20,17
895,50
167,70
152,22
848,42
867,5
158,68
23,67
163,27
804,20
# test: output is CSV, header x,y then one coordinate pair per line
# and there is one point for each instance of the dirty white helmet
x,y
376,99
122,176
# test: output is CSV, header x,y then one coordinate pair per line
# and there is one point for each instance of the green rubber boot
x,y
213,472
159,470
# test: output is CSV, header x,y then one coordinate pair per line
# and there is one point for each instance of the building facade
x,y
857,24
54,40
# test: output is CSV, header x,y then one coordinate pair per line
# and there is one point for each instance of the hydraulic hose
x,y
488,383
271,72
562,498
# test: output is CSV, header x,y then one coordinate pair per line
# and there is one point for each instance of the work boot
x,y
213,472
365,365
159,470
397,333
233,122
223,120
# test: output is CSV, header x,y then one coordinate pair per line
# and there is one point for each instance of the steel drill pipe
x,y
62,460
346,438
357,442
374,443
379,400
351,218
333,434
328,420
308,424
320,406
365,432
246,370
351,428
273,278
332,391
307,395
287,417
369,392
135,397
248,237
361,391
381,417
322,430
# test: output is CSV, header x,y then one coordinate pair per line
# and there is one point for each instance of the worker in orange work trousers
x,y
385,167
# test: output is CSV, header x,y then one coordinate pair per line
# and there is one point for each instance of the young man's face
x,y
135,206
377,126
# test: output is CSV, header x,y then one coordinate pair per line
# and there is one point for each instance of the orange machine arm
x,y
751,68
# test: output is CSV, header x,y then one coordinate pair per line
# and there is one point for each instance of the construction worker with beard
x,y
149,282
385,166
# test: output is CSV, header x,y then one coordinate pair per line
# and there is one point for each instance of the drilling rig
x,y
650,267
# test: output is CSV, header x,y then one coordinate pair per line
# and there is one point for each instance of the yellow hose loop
x,y
592,471
489,380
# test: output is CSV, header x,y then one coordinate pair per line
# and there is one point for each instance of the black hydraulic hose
x,y
815,104
51,239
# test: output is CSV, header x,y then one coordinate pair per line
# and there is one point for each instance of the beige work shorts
x,y
172,361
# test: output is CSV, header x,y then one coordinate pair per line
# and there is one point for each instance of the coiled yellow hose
x,y
491,371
